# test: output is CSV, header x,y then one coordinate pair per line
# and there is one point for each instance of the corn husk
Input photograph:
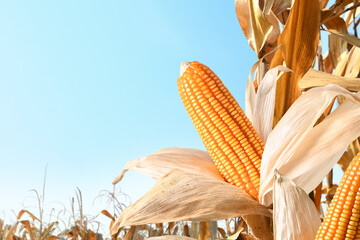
x,y
265,102
295,215
183,196
160,163
305,153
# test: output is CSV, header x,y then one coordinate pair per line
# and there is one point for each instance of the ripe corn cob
x,y
342,220
226,132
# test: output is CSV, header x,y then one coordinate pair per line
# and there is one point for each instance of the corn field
x,y
267,172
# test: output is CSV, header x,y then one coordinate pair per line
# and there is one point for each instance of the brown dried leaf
x,y
277,6
315,78
106,213
337,45
259,225
180,196
344,161
298,46
253,22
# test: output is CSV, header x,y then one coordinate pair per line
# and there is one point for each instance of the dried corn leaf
x,y
253,22
349,16
295,215
344,161
171,237
353,63
277,6
337,45
315,78
265,102
305,153
298,45
347,37
180,196
163,161
260,226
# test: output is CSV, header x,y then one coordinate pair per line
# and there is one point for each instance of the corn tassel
x,y
342,220
226,132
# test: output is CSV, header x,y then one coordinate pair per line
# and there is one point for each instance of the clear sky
x,y
86,86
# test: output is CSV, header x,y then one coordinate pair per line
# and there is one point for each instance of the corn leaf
x,y
337,45
298,45
253,22
163,161
347,37
305,153
315,78
277,6
295,215
183,196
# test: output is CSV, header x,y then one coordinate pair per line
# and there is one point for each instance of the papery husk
x,y
315,78
171,237
183,196
260,226
253,22
298,46
305,153
160,163
265,102
295,215
250,93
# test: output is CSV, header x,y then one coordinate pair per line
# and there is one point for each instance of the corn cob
x,y
342,220
226,132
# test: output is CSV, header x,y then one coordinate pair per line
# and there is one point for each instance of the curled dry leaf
x,y
305,153
295,215
165,160
277,6
315,78
253,22
180,196
298,45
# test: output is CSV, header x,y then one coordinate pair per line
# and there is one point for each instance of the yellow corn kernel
x,y
342,216
225,130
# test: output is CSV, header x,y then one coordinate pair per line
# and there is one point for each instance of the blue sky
x,y
88,85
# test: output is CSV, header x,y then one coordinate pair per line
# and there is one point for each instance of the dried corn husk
x,y
295,215
160,163
305,153
182,196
